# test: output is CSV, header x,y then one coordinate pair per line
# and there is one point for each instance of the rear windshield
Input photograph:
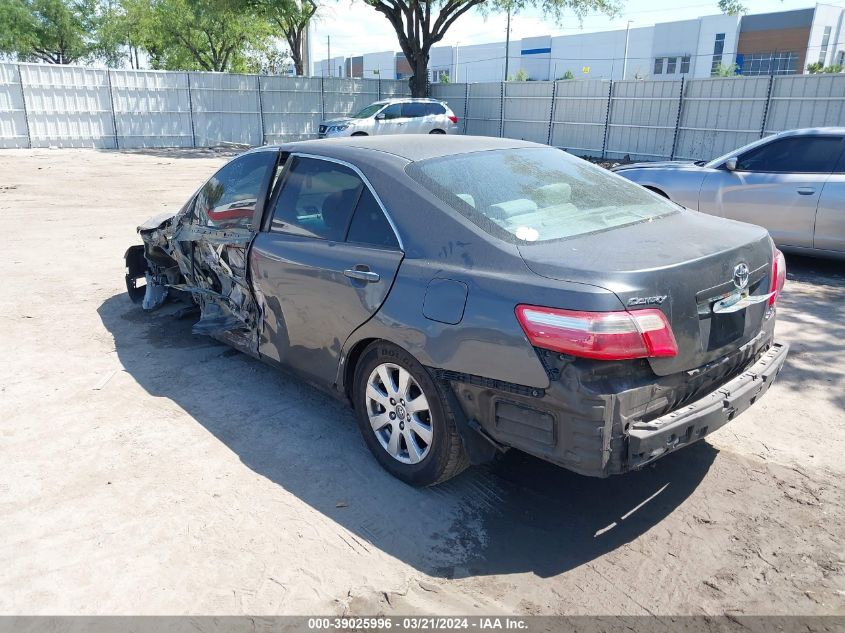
x,y
536,194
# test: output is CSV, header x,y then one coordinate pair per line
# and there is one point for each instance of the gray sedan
x,y
468,295
792,183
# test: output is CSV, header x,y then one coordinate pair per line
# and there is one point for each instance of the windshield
x,y
536,195
369,111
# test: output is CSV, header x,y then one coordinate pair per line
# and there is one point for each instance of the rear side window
x,y
436,108
536,195
317,199
369,224
414,109
795,154
227,200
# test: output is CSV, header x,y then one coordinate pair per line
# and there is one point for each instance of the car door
x,y
322,265
414,112
830,216
390,120
776,185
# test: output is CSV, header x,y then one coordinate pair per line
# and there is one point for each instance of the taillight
x,y
778,276
601,335
453,119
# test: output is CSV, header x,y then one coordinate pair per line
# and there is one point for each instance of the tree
x,y
197,34
724,71
291,17
420,24
568,75
732,7
50,31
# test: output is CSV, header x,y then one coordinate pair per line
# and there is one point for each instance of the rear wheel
x,y
405,421
437,132
359,134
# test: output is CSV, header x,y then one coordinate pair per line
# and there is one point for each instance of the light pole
x,y
625,60
457,50
508,42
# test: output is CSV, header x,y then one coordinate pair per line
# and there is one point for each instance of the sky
x,y
356,28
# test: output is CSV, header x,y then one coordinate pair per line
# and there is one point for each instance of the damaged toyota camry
x,y
471,295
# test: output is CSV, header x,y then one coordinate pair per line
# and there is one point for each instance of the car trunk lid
x,y
683,264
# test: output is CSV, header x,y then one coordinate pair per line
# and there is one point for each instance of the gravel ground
x,y
146,470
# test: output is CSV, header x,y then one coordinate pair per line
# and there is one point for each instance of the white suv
x,y
395,116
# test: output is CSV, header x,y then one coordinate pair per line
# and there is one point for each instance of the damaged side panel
x,y
202,251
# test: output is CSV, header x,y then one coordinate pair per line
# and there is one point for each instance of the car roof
x,y
411,147
818,131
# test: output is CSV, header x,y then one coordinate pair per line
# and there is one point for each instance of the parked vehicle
x,y
792,183
395,116
471,294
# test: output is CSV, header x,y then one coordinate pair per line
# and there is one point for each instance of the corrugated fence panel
x,y
484,109
225,109
643,115
68,106
455,97
393,88
528,110
12,113
346,96
292,108
579,115
151,109
806,101
719,115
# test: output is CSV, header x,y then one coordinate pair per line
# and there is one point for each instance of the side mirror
x,y
730,164
380,116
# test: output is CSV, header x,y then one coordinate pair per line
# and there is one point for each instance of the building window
x,y
840,59
685,64
718,49
438,74
779,63
671,65
658,65
825,43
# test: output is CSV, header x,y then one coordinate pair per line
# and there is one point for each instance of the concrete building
x,y
782,42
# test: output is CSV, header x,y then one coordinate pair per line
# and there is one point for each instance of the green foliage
x,y
197,34
520,76
567,75
289,18
444,78
725,71
51,31
732,7
818,68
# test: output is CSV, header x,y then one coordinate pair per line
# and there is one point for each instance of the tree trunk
x,y
419,80
294,38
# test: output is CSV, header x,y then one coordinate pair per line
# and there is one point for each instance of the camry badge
x,y
740,277
646,301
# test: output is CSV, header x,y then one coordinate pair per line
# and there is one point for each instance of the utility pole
x,y
457,50
625,61
329,61
508,42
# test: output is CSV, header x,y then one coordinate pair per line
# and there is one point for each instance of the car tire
x,y
359,134
420,445
437,132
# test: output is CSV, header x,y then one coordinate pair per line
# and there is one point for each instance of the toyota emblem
x,y
740,277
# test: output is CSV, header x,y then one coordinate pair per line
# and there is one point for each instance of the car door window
x,y
392,112
435,109
414,109
229,197
796,154
369,225
317,199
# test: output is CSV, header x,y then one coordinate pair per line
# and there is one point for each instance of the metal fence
x,y
65,106
68,106
648,120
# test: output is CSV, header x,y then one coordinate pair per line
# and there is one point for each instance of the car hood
x,y
339,121
665,164
686,257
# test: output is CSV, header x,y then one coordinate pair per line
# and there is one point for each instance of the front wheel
x,y
437,132
406,422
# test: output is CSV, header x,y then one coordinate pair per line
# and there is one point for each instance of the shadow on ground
x,y
521,515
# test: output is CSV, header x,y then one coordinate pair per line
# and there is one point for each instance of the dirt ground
x,y
146,470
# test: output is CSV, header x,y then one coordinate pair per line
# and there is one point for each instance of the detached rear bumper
x,y
649,440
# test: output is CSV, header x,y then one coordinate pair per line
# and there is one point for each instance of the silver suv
x,y
395,116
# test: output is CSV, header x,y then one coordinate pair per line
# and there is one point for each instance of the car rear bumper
x,y
599,420
649,440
